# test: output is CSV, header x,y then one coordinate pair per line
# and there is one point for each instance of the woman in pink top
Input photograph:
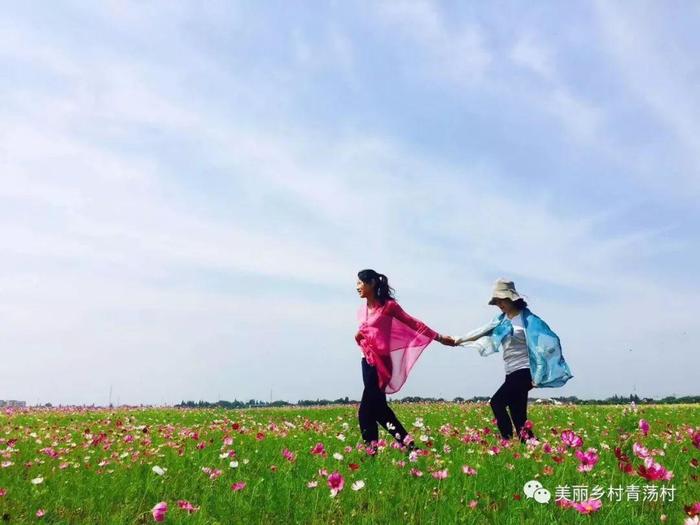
x,y
391,342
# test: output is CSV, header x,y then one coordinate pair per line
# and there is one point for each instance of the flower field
x,y
587,464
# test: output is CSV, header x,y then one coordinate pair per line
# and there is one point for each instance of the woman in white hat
x,y
531,353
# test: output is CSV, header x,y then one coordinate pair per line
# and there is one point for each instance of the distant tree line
x,y
614,400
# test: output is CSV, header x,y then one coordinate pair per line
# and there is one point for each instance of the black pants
x,y
374,409
513,394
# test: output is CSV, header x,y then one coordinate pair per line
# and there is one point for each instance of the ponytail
x,y
382,290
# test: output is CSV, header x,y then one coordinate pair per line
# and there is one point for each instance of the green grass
x,y
125,489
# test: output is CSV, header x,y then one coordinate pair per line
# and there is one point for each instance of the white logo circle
x,y
531,486
542,495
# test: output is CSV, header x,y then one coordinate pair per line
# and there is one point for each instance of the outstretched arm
x,y
397,312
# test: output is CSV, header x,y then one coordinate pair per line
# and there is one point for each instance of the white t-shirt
x,y
515,354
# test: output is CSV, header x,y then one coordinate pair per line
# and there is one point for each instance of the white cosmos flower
x,y
37,481
233,464
358,485
338,456
341,437
159,470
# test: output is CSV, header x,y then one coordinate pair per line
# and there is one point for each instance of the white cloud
x,y
658,69
530,54
458,54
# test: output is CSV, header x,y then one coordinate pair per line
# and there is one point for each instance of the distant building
x,y
12,403
546,401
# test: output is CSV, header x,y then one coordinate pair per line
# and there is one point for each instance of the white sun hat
x,y
504,289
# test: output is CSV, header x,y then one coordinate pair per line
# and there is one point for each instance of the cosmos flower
x,y
569,438
358,485
239,485
159,511
588,506
644,426
440,474
186,505
696,439
652,471
640,451
159,470
692,510
318,450
468,470
588,459
336,482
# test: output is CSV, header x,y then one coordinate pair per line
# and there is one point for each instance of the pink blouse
x,y
392,341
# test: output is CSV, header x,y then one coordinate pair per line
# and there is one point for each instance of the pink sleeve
x,y
397,312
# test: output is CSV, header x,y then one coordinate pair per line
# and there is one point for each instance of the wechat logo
x,y
534,489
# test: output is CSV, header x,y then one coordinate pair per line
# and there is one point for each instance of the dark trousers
x,y
374,409
513,395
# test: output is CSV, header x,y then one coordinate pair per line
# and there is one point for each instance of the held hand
x,y
447,340
359,337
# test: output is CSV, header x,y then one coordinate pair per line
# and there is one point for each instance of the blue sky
x,y
188,191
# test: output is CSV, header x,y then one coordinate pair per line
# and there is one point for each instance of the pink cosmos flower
x,y
336,482
186,505
213,473
440,474
240,485
588,506
228,441
128,438
318,450
289,455
564,503
653,471
2,492
640,451
692,510
159,511
695,520
696,439
570,439
588,459
416,473
40,513
468,470
644,426
473,504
